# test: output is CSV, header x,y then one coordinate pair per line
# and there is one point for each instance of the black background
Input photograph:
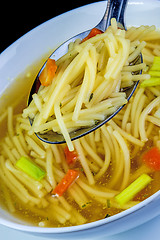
x,y
16,19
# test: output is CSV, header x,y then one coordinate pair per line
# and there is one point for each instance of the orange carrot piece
x,y
48,72
92,33
152,158
66,182
71,157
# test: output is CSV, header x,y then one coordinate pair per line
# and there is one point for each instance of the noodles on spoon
x,y
87,85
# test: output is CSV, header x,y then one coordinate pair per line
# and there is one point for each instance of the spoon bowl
x,y
115,9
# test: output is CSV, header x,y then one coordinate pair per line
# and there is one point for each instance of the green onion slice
x,y
30,168
154,72
135,187
153,81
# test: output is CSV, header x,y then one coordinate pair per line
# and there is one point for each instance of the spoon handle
x,y
115,9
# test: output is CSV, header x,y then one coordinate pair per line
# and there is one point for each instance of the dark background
x,y
18,18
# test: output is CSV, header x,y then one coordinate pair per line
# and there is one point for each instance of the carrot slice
x,y
71,157
48,72
66,182
152,158
92,33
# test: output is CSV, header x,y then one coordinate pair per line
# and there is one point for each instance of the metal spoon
x,y
114,9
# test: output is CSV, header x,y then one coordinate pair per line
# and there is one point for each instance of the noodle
x,y
91,152
33,145
84,163
10,122
49,166
107,159
126,158
146,111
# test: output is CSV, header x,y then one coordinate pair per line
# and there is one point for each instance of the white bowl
x,y
27,54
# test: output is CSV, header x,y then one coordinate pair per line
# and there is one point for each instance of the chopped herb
x,y
84,205
60,104
108,215
91,96
145,195
96,122
108,203
46,129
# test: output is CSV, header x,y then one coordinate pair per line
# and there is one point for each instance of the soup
x,y
103,166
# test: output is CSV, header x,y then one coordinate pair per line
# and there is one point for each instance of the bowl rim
x,y
79,228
